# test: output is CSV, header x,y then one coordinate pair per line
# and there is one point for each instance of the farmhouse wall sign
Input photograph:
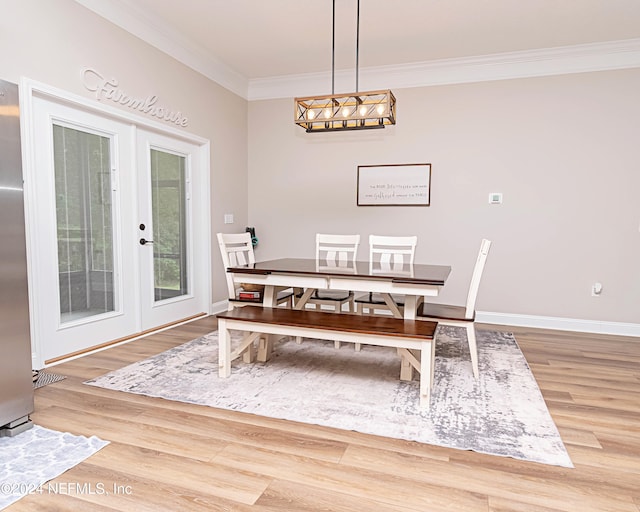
x,y
108,89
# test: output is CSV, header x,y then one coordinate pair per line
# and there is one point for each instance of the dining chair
x,y
461,316
387,253
236,250
335,251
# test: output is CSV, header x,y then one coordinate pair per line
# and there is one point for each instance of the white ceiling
x,y
260,41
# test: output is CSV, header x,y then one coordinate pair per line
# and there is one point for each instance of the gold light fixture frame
x,y
352,111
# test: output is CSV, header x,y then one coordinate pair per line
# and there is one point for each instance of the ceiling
x,y
262,39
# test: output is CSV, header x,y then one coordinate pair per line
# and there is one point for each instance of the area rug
x,y
30,459
502,413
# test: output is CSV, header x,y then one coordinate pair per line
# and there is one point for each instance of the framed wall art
x,y
394,185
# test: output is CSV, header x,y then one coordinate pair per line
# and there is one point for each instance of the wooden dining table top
x,y
411,274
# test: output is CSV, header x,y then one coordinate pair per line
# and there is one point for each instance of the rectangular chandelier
x,y
354,111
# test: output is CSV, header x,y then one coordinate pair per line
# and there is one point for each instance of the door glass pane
x,y
168,201
84,223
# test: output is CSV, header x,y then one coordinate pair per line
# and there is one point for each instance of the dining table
x,y
306,275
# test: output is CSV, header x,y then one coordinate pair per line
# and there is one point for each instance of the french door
x,y
169,232
117,245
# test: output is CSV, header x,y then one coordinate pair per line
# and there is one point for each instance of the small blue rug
x,y
30,459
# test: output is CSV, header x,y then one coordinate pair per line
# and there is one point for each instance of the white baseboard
x,y
219,307
561,324
540,322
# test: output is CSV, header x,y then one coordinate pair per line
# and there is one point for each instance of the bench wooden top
x,y
345,322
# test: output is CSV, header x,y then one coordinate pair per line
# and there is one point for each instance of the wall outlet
x,y
228,218
596,289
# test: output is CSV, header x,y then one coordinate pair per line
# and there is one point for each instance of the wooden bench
x,y
405,335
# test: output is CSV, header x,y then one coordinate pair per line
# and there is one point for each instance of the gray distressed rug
x,y
502,413
30,459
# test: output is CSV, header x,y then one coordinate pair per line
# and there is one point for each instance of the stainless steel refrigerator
x,y
16,382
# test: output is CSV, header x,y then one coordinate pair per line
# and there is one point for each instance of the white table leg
x,y
270,297
302,301
410,307
265,343
410,310
391,304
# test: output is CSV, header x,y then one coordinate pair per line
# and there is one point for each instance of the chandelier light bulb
x,y
345,112
363,110
311,114
380,109
327,113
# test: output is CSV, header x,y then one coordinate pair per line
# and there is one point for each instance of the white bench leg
x,y
224,349
473,348
249,354
427,364
406,368
265,347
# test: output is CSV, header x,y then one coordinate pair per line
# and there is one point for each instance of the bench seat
x,y
407,336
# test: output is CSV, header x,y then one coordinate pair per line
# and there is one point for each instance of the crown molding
x,y
153,31
501,66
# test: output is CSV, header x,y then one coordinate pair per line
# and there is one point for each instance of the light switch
x,y
495,198
228,218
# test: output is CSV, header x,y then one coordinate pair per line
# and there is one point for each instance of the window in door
x,y
84,222
169,210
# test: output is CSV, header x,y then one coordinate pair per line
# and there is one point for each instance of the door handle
x,y
145,242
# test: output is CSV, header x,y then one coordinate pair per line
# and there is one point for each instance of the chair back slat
x,y
391,252
336,250
478,269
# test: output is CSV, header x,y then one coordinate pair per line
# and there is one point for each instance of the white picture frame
x,y
394,185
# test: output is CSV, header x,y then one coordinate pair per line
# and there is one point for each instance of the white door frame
x,y
30,89
153,312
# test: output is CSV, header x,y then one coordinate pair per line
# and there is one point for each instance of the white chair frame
x,y
387,253
335,251
464,316
236,249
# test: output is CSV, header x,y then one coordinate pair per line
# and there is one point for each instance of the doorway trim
x,y
30,89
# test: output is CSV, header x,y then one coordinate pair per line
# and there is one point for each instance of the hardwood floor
x,y
174,456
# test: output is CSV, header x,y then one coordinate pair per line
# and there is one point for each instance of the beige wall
x,y
52,41
563,150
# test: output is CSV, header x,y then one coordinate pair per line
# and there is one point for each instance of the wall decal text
x,y
108,89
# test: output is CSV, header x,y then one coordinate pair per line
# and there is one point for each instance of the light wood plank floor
x,y
173,456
